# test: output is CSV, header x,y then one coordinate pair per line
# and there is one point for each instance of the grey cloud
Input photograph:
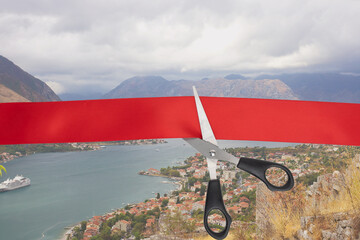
x,y
103,42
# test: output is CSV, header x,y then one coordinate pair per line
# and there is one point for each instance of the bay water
x,y
67,188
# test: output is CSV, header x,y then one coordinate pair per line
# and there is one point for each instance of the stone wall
x,y
338,226
262,220
326,187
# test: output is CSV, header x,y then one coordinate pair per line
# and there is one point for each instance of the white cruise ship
x,y
12,184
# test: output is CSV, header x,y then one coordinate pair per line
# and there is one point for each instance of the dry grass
x,y
207,237
348,199
284,210
245,231
241,232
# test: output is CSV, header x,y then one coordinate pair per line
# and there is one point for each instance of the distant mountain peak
x,y
334,87
235,76
146,80
140,86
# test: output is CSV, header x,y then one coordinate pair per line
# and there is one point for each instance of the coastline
x,y
191,180
70,168
64,236
67,231
176,181
7,155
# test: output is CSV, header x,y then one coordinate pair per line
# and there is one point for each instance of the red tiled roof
x,y
244,204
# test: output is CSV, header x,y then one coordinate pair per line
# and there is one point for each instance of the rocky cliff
x,y
16,82
330,209
8,95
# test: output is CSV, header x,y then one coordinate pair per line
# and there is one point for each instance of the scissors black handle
x,y
214,201
258,169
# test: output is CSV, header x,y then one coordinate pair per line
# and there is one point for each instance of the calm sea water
x,y
67,188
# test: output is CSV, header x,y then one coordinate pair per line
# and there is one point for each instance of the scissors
x,y
209,148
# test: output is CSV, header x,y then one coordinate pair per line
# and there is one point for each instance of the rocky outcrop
x,y
262,220
332,226
22,83
321,217
338,226
326,187
8,95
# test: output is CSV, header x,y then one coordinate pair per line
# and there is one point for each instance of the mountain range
x,y
16,85
156,86
331,87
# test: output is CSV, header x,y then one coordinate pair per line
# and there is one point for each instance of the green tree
x,y
106,233
118,236
174,173
251,195
202,190
83,226
164,203
97,237
78,233
206,178
2,169
223,189
156,210
191,181
198,214
308,179
137,230
176,224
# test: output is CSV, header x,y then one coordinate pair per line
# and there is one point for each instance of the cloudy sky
x,y
93,45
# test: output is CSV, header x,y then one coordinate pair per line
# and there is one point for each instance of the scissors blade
x,y
206,130
211,151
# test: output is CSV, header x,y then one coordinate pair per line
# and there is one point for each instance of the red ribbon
x,y
176,117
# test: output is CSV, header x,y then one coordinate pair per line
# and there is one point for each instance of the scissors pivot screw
x,y
212,153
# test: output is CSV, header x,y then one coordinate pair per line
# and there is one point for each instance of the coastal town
x,y
179,214
11,152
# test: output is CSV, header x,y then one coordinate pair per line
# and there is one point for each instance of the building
x,y
198,205
153,171
229,175
121,226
